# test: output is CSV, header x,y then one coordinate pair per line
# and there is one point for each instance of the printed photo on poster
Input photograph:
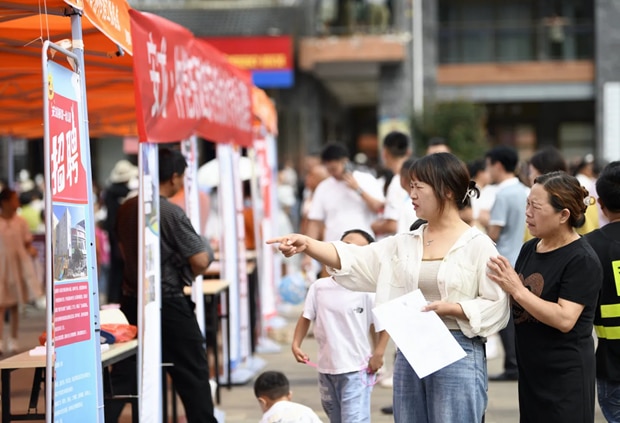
x,y
69,245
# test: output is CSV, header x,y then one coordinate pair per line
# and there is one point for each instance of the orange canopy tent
x,y
24,25
264,111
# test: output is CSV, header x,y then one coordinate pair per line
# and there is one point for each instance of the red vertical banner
x,y
264,174
68,176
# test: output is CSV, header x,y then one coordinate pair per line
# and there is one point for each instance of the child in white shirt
x,y
274,396
346,365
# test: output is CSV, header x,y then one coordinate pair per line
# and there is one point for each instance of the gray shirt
x,y
179,241
508,212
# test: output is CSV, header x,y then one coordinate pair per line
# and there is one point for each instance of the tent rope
x,y
40,37
47,24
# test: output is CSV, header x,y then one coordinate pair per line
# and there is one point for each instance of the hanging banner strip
x,y
186,87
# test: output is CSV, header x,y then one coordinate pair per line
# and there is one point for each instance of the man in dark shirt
x,y
606,243
183,256
122,179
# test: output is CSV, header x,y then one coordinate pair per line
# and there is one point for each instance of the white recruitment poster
x,y
149,292
264,217
75,351
272,190
228,253
189,150
242,274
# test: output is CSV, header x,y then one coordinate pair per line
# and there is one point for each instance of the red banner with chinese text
x,y
185,87
68,177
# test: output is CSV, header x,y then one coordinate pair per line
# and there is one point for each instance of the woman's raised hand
x,y
290,244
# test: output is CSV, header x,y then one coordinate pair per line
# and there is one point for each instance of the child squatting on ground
x,y
274,396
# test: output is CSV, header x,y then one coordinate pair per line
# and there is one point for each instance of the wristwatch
x,y
359,190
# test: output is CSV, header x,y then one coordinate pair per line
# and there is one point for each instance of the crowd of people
x,y
530,255
493,250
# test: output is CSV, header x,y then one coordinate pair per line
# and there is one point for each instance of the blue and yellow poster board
x,y
76,358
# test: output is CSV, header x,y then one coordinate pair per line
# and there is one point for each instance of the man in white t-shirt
x,y
394,152
347,199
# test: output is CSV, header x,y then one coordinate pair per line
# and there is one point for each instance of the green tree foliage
x,y
460,123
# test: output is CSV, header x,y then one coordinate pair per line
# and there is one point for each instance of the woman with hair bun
x,y
446,259
554,288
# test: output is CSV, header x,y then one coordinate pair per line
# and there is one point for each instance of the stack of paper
x,y
421,336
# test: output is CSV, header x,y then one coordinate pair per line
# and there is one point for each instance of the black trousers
x,y
508,342
115,274
183,346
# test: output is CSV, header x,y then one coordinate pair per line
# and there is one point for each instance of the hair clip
x,y
471,193
589,201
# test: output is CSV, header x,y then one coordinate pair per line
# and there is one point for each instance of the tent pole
x,y
10,162
78,50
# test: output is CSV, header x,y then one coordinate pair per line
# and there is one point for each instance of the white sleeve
x,y
360,266
487,197
394,200
370,304
489,311
317,210
370,185
310,303
499,211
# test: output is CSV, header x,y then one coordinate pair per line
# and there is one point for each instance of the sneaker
x,y
387,382
40,303
504,377
13,347
388,409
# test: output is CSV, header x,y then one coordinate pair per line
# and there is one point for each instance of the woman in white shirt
x,y
444,258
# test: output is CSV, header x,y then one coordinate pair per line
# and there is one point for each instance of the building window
x,y
576,139
478,31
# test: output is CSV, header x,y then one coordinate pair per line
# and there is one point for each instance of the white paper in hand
x,y
421,336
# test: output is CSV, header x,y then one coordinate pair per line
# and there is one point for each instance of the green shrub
x,y
460,123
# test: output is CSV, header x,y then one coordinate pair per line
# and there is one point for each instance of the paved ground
x,y
241,407
239,404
